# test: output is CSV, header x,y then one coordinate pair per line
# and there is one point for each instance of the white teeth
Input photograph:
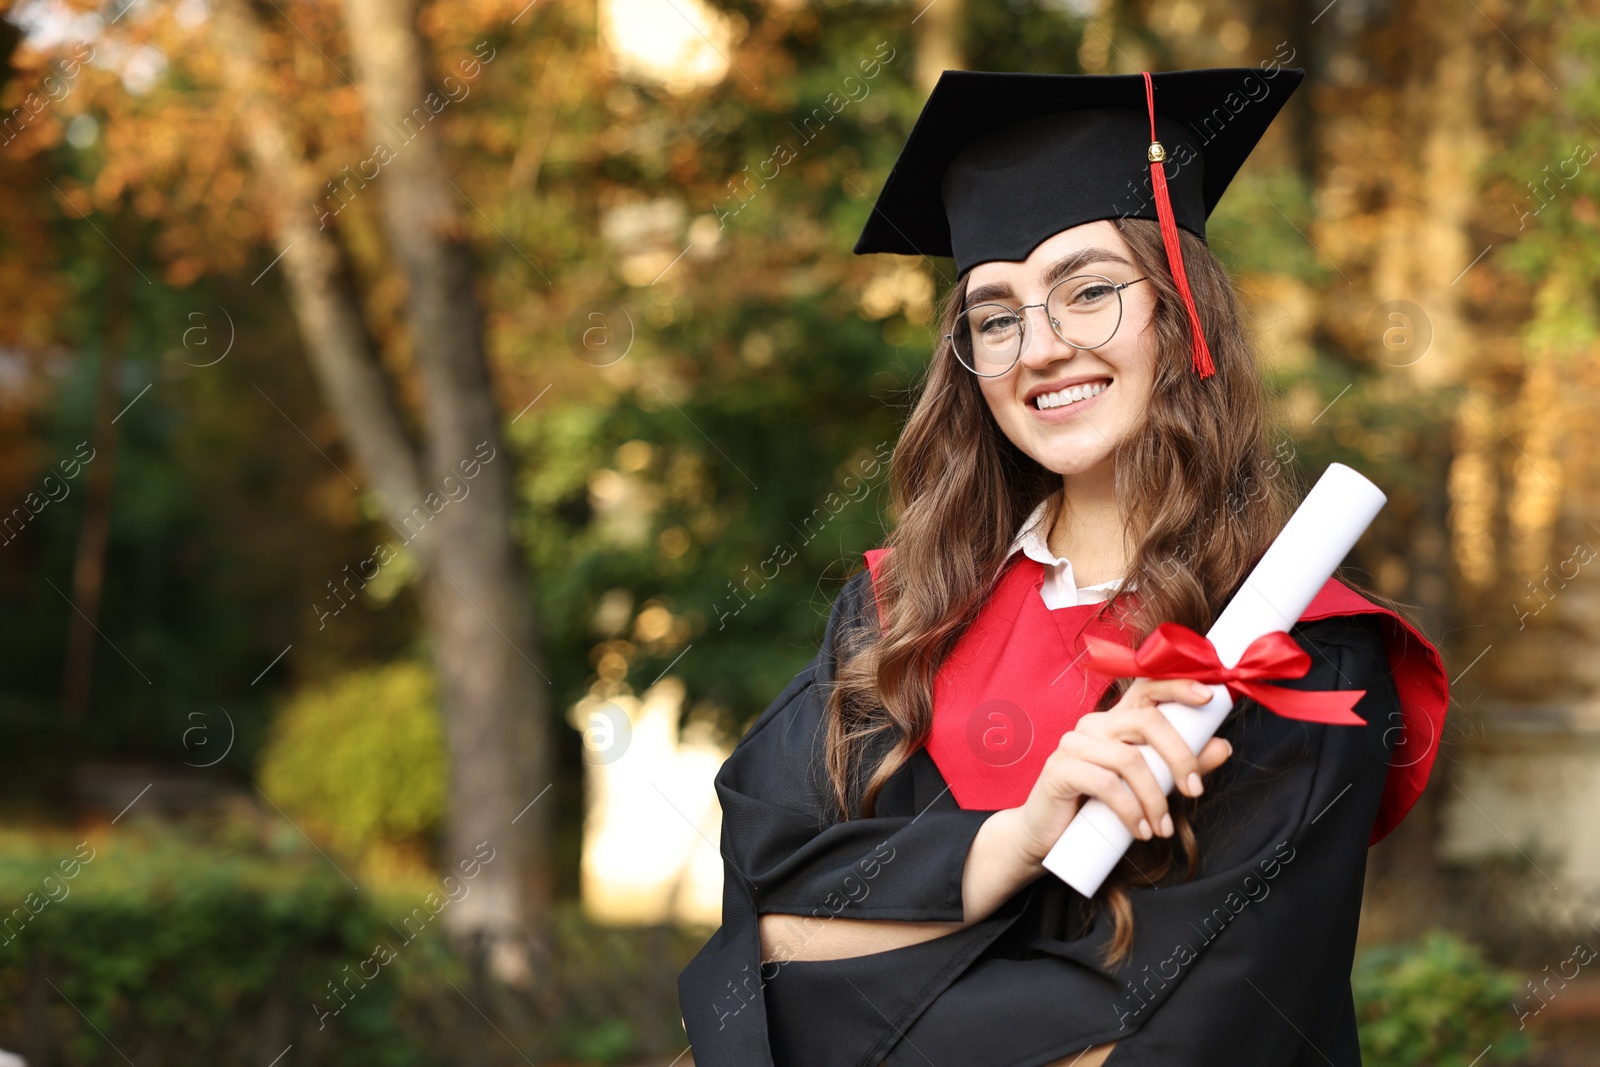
x,y
1070,395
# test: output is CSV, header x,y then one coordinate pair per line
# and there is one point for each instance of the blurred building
x,y
652,823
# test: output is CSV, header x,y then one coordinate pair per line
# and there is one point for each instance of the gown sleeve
x,y
785,851
1247,963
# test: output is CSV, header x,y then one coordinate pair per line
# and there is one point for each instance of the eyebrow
x,y
1060,269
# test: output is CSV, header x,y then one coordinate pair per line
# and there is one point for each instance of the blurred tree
x,y
448,499
474,587
89,565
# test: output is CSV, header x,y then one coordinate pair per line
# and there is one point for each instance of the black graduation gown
x,y
1246,964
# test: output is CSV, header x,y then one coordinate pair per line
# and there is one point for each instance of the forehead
x,y
1101,234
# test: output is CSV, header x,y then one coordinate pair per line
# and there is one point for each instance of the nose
x,y
1040,345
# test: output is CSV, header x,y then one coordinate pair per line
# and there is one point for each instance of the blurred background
x,y
429,435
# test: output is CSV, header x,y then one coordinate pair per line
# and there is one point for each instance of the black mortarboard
x,y
997,162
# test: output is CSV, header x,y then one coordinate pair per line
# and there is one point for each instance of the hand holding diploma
x,y
1248,644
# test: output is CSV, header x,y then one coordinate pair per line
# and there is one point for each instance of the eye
x,y
1091,294
995,323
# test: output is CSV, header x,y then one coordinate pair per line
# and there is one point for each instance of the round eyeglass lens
x,y
988,338
1084,311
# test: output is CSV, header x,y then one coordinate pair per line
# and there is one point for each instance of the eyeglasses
x,y
1084,311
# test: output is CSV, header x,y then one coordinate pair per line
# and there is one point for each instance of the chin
x,y
1070,454
1073,465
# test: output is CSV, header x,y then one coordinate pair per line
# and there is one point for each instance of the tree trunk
x,y
476,594
320,286
939,41
458,495
89,569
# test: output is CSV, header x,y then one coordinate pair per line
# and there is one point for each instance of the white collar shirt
x,y
1060,589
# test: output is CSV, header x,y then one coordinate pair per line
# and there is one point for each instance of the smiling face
x,y
1069,408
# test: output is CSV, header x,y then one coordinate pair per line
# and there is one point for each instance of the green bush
x,y
185,946
1435,1003
361,760
183,952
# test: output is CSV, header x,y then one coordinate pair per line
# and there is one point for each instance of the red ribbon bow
x,y
1175,651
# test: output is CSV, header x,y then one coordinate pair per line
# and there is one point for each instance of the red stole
x,y
1013,685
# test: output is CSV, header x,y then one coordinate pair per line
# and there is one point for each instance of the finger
x,y
1128,763
1098,723
1214,754
1078,777
1149,726
1159,690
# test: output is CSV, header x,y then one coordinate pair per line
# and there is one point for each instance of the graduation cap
x,y
997,162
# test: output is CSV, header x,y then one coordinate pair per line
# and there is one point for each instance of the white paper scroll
x,y
1315,540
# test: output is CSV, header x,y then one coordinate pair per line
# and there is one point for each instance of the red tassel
x,y
1169,235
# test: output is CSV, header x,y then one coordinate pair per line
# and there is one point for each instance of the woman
x,y
1087,457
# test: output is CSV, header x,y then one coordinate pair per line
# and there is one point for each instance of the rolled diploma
x,y
1314,541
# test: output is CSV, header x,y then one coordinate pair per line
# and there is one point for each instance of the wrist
x,y
1027,852
998,865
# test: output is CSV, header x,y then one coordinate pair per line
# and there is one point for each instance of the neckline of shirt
x,y
1060,588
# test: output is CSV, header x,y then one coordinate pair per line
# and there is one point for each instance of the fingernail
x,y
1201,690
1195,785
1144,829
1230,746
1166,825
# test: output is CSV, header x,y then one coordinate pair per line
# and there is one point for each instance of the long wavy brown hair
x,y
1199,491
